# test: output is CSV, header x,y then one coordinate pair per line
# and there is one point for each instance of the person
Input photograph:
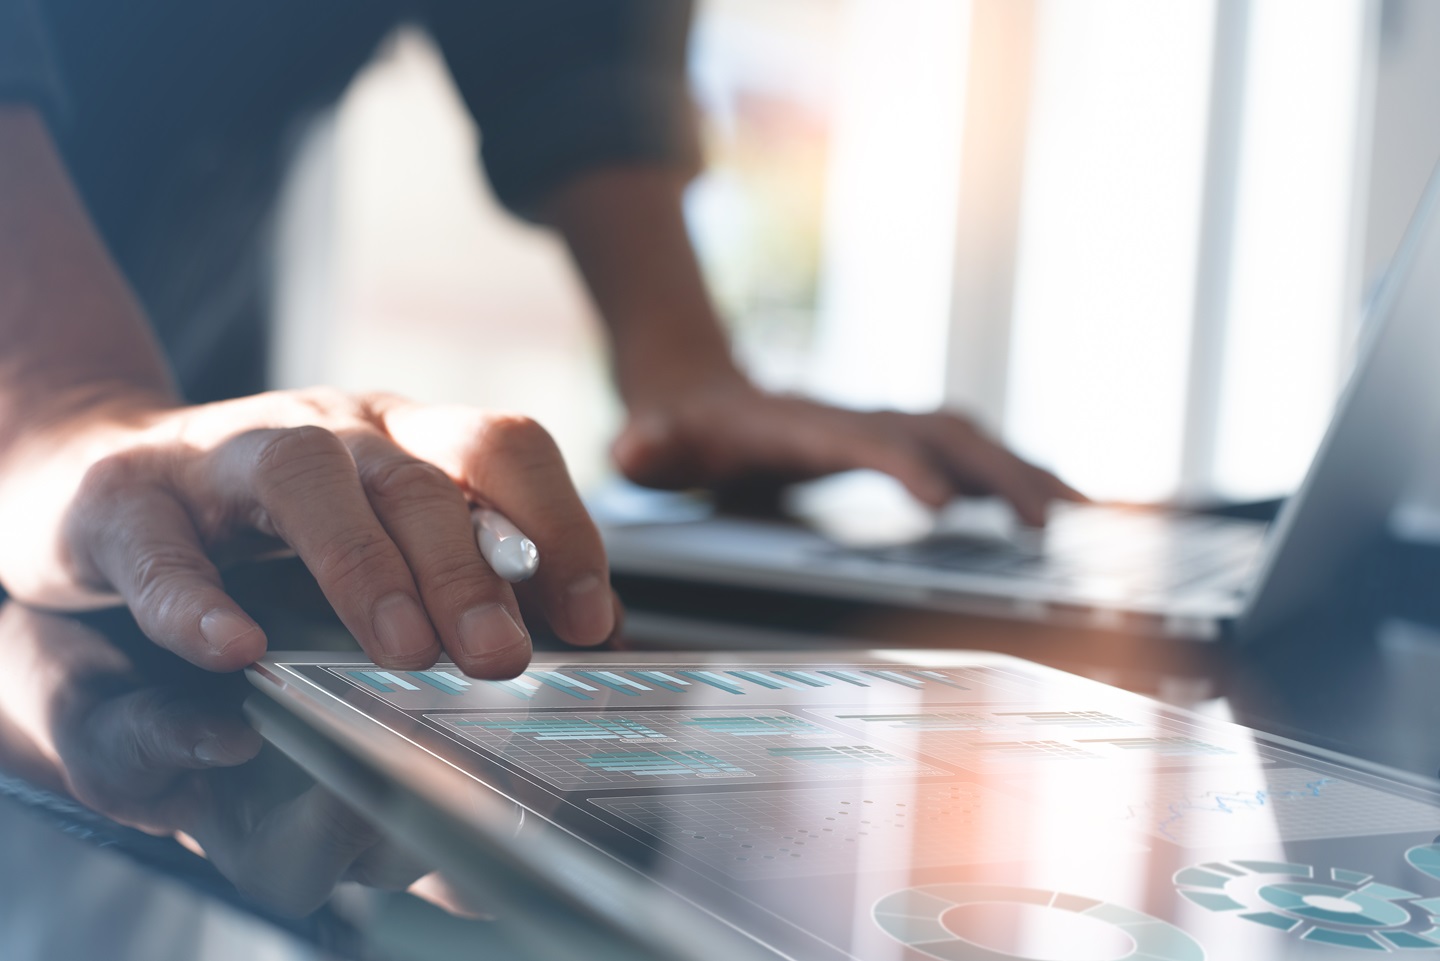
x,y
140,149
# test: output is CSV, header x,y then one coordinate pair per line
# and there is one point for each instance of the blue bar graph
x,y
897,678
569,729
803,678
518,687
937,676
848,754
845,676
445,683
661,680
364,678
594,684
562,683
754,726
614,682
714,680
947,721
755,677
662,763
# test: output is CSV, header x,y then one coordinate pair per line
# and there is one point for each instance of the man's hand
x,y
142,500
175,756
694,418
717,436
109,485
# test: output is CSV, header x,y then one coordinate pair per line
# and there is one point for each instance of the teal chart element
x,y
1349,909
1425,859
920,918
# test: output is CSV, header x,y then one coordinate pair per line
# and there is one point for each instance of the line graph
x,y
1287,804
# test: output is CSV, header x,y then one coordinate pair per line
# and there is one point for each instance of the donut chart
x,y
1426,859
1346,909
916,918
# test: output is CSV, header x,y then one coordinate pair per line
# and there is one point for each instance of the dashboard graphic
x,y
969,813
1347,909
1018,738
929,920
568,750
1288,804
1425,858
412,690
770,834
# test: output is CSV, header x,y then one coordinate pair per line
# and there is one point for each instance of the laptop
x,y
874,806
1188,576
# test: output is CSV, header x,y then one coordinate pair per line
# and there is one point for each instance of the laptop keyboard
x,y
1124,553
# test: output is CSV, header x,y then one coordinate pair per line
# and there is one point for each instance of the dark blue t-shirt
x,y
176,118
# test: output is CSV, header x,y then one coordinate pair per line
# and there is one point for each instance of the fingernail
x,y
489,631
212,749
223,629
401,626
589,608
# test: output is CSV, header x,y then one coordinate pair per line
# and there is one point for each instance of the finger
x,y
135,746
980,462
428,518
292,860
831,440
514,465
301,485
133,534
1063,491
387,867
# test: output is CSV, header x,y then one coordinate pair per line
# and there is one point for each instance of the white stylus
x,y
509,552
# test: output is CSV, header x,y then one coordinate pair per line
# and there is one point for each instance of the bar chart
x,y
575,750
1026,735
417,690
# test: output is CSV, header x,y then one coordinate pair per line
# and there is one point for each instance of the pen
x,y
509,552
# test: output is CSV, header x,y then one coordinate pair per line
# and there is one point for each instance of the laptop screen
x,y
939,806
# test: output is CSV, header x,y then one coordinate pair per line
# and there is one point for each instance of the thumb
x,y
646,451
136,745
140,539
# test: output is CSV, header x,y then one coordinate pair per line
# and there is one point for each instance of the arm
x,y
627,234
73,332
109,485
587,126
695,419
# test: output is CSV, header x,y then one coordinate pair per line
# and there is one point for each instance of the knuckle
x,y
356,556
160,572
113,476
326,401
404,478
337,826
515,436
296,452
464,580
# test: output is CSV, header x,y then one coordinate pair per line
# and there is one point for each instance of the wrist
x,y
656,379
77,418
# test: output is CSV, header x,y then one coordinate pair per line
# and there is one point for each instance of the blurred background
x,y
1134,239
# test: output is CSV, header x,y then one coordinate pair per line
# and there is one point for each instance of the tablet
x,y
884,806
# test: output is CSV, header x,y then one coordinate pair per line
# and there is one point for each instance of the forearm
x,y
626,231
71,331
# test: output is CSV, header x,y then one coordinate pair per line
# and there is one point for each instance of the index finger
x,y
513,464
301,484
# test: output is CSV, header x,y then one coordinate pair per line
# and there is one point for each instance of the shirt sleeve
x,y
559,87
27,68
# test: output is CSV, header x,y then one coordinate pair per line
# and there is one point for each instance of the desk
x,y
77,886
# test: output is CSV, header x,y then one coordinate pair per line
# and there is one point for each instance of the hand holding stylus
x,y
509,552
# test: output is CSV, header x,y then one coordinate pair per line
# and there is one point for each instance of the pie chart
x,y
1346,909
935,920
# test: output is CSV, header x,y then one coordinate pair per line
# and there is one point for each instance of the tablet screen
x,y
934,808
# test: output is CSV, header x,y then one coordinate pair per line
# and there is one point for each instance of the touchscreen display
x,y
907,812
